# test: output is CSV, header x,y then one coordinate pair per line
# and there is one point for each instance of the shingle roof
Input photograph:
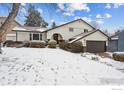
x,y
29,29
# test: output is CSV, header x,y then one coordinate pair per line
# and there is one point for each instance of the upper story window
x,y
71,29
85,30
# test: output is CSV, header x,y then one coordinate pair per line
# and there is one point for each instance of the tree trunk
x,y
6,26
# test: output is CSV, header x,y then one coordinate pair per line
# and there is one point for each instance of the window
x,y
85,30
30,36
71,29
40,36
35,36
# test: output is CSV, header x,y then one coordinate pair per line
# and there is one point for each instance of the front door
x,y
55,37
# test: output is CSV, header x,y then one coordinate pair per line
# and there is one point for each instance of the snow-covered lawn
x,y
32,66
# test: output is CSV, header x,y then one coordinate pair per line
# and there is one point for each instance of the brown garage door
x,y
96,46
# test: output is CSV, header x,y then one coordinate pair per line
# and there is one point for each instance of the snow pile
x,y
31,66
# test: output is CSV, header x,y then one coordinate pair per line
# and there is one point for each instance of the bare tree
x,y
6,26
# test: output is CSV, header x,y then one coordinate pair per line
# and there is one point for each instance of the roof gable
x,y
88,34
70,23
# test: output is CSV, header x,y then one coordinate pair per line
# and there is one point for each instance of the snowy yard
x,y
32,66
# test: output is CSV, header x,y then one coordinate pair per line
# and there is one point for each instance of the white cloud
x,y
23,10
40,10
108,6
68,13
69,9
87,19
76,6
100,21
90,15
23,4
77,17
52,20
61,6
98,16
107,15
117,5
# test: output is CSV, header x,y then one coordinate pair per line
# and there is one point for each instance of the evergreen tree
x,y
53,24
34,18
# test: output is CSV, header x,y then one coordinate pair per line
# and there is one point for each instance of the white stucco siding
x,y
23,36
78,27
97,36
44,36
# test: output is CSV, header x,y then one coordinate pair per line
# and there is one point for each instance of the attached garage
x,y
95,46
11,37
93,41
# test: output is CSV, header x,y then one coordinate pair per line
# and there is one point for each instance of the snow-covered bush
x,y
52,44
118,56
95,58
90,56
40,44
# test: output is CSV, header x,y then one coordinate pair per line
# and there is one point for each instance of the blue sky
x,y
105,15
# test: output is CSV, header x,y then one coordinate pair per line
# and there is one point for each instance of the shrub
x,y
64,45
76,47
18,44
26,44
8,43
118,57
40,44
52,44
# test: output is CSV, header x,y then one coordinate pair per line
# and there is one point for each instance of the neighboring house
x,y
93,41
121,41
15,24
116,43
113,43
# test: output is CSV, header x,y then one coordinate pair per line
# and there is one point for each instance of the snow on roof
x,y
119,53
116,38
30,29
19,29
11,34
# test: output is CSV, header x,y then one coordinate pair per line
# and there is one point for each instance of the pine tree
x,y
34,18
53,24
